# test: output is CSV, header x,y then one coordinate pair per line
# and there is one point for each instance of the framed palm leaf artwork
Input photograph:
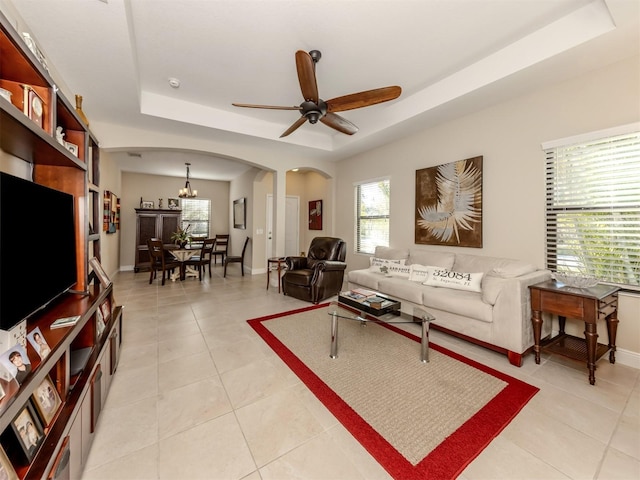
x,y
449,204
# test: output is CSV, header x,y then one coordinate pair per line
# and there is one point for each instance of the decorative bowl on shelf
x,y
576,280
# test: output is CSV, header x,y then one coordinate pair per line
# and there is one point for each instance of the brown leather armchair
x,y
319,275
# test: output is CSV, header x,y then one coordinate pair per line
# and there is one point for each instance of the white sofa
x,y
491,307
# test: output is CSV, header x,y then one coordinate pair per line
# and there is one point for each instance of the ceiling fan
x,y
314,108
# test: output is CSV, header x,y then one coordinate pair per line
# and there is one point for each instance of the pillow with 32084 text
x,y
471,282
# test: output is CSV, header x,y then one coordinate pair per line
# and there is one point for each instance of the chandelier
x,y
186,192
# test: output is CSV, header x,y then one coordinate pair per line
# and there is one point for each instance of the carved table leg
x,y
591,336
536,320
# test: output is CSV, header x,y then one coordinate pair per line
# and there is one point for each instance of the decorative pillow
x,y
384,261
401,271
419,273
470,282
380,265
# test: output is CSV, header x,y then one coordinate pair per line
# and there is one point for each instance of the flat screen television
x,y
37,247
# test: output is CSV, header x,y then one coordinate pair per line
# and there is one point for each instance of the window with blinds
x,y
196,213
372,216
593,208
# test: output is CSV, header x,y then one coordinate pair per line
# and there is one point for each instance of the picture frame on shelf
x,y
33,105
105,308
72,147
173,203
17,362
100,326
38,342
102,276
28,430
6,467
47,401
147,204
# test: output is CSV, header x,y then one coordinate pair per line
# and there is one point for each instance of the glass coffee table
x,y
339,310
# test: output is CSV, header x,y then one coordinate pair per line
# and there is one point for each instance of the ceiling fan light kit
x,y
313,108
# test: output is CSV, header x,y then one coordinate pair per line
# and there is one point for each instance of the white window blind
x,y
593,208
372,215
196,212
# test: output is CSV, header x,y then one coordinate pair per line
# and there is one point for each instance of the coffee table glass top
x,y
418,315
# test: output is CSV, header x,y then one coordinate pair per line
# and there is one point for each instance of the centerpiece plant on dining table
x,y
181,236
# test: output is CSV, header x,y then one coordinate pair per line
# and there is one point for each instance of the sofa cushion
x,y
419,273
504,267
426,257
401,289
471,282
391,253
365,277
467,304
491,288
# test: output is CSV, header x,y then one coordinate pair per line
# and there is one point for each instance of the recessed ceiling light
x,y
295,169
174,82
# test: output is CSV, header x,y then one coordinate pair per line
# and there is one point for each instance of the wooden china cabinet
x,y
84,356
153,223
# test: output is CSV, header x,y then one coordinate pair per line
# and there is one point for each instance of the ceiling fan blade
x,y
298,123
363,99
272,107
339,123
307,76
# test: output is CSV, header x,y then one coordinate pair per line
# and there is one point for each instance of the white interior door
x,y
292,226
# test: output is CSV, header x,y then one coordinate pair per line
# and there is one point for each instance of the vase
x,y
83,117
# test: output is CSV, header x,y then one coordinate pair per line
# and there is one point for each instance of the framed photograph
x,y
147,204
315,215
105,308
33,106
239,213
7,472
17,362
38,342
72,147
99,323
100,273
173,203
46,400
28,429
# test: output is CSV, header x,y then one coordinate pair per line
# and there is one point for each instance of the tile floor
x,y
198,395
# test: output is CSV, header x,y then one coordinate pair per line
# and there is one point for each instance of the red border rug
x,y
449,458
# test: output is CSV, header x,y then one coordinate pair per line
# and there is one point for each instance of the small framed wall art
x,y
315,215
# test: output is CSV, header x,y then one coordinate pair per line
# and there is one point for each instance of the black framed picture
x,y
28,429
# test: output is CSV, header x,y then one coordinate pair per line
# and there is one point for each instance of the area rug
x,y
418,420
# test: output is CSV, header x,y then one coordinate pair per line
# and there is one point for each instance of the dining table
x,y
182,255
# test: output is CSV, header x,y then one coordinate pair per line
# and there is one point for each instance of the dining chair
x,y
204,258
236,259
221,248
159,260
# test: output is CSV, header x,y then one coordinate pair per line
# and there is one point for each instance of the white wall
x,y
509,137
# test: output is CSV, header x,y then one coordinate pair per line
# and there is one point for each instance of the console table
x,y
586,304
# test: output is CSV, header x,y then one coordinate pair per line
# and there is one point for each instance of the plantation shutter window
x,y
196,213
372,216
593,207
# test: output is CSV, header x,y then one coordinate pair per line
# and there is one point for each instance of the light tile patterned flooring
x,y
198,395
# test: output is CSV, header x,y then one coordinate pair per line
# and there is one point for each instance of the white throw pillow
x,y
419,273
471,282
381,265
401,271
